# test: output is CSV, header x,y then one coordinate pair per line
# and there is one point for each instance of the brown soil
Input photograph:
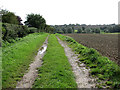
x,y
106,44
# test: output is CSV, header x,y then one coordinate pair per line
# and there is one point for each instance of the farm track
x,y
106,44
83,79
29,78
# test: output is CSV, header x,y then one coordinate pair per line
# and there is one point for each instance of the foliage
x,y
16,58
49,29
70,30
3,12
10,18
56,71
111,28
100,66
32,30
35,20
19,20
12,31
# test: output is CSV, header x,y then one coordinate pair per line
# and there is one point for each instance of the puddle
x,y
43,50
28,79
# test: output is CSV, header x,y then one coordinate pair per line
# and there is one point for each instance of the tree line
x,y
72,28
12,26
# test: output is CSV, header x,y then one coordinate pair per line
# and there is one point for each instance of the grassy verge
x,y
56,71
106,70
0,67
17,57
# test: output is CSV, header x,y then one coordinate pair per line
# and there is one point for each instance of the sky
x,y
59,12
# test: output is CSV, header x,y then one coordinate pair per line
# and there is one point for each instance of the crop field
x,y
106,44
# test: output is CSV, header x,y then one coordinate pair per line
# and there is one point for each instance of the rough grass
x,y
0,67
101,67
17,57
56,71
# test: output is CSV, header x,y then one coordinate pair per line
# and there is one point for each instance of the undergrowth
x,y
101,67
17,56
55,71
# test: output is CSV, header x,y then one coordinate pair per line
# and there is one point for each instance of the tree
x,y
97,30
64,30
35,20
10,17
19,20
79,30
49,29
70,30
3,12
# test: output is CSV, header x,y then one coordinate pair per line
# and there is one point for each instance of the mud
x,y
29,78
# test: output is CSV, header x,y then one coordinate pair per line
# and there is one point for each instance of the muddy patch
x,y
83,79
29,78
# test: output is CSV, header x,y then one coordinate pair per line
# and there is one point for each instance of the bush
x,y
12,31
32,30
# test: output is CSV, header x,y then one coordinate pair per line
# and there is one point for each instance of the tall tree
x,y
10,17
35,20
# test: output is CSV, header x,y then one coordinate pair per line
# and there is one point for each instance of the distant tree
x,y
70,30
3,12
79,30
97,30
49,29
88,30
35,20
10,17
83,28
73,29
64,30
60,31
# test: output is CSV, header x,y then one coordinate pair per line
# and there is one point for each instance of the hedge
x,y
13,31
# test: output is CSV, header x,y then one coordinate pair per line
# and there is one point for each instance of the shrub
x,y
12,31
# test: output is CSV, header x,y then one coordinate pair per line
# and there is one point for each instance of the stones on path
x,y
29,78
83,79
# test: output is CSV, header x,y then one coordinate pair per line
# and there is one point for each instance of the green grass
x,y
17,57
101,67
56,71
76,31
0,56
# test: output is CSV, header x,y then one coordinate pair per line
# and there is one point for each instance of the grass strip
x,y
56,71
101,67
17,57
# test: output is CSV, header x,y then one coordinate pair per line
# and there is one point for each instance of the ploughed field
x,y
106,44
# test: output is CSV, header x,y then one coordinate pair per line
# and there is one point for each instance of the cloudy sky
x,y
58,12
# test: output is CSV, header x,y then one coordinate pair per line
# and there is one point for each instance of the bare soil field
x,y
106,44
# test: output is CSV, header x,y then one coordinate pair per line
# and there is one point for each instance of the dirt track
x,y
29,78
83,79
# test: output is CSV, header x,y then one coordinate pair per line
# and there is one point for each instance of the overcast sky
x,y
58,12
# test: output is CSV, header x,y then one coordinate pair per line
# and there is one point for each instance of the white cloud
x,y
67,11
